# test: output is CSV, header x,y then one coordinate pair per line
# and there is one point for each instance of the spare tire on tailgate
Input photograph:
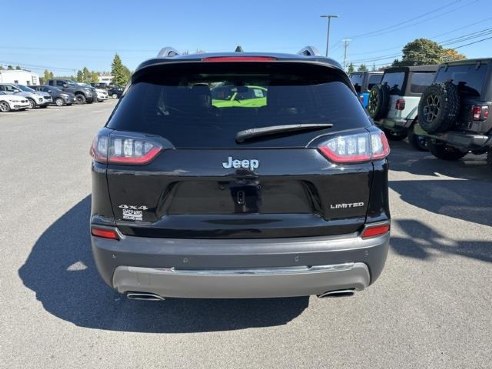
x,y
378,105
439,107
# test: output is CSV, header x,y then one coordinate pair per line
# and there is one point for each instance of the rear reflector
x,y
356,148
227,59
375,231
105,233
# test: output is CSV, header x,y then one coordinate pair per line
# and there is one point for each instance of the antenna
x,y
309,51
167,52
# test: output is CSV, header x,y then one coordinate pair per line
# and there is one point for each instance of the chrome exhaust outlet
x,y
337,293
144,296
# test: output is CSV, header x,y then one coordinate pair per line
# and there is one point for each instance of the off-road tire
x,y
378,104
445,152
418,142
439,107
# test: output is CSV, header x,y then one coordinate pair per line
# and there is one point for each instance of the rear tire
x,y
417,141
4,107
445,152
378,101
80,98
438,107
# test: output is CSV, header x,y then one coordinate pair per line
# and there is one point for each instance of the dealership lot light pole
x,y
328,31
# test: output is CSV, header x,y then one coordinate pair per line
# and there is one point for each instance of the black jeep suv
x,y
454,110
282,193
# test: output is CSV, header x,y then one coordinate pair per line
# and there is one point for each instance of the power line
x,y
475,42
392,27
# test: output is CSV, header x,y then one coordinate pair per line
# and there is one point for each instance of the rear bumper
x,y
240,268
462,140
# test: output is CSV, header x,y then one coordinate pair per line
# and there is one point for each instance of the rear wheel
x,y
4,106
80,98
32,103
417,141
445,152
59,101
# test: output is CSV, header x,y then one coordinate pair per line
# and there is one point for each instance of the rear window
x,y
357,81
199,105
469,78
374,79
420,81
394,80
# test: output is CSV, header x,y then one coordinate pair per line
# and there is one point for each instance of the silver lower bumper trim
x,y
242,283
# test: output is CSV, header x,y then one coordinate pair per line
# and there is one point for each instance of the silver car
x,y
48,99
34,98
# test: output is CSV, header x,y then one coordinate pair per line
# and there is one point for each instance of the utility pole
x,y
345,45
328,30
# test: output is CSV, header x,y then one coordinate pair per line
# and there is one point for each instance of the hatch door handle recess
x,y
240,197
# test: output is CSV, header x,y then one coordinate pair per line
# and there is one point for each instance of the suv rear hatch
x,y
204,180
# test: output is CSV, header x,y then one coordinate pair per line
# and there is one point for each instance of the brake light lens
x,y
480,112
226,59
375,231
400,104
124,149
356,148
111,234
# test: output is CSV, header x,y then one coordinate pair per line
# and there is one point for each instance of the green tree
x,y
423,51
18,67
47,75
9,67
350,68
120,72
94,77
362,68
80,76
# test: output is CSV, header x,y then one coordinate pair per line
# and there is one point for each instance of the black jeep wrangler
x,y
454,110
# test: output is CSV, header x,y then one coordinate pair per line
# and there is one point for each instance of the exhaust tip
x,y
337,293
144,296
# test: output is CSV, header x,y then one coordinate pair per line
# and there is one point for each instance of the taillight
x,y
480,112
400,104
223,59
375,230
124,149
109,233
356,148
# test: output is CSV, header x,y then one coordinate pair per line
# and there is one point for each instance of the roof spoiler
x,y
309,51
167,52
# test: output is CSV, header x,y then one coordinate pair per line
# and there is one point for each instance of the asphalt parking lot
x,y
431,308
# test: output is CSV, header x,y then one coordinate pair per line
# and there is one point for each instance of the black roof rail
x,y
167,52
309,51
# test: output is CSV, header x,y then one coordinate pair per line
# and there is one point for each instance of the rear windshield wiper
x,y
251,133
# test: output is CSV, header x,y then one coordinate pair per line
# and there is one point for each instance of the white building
x,y
19,76
107,79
